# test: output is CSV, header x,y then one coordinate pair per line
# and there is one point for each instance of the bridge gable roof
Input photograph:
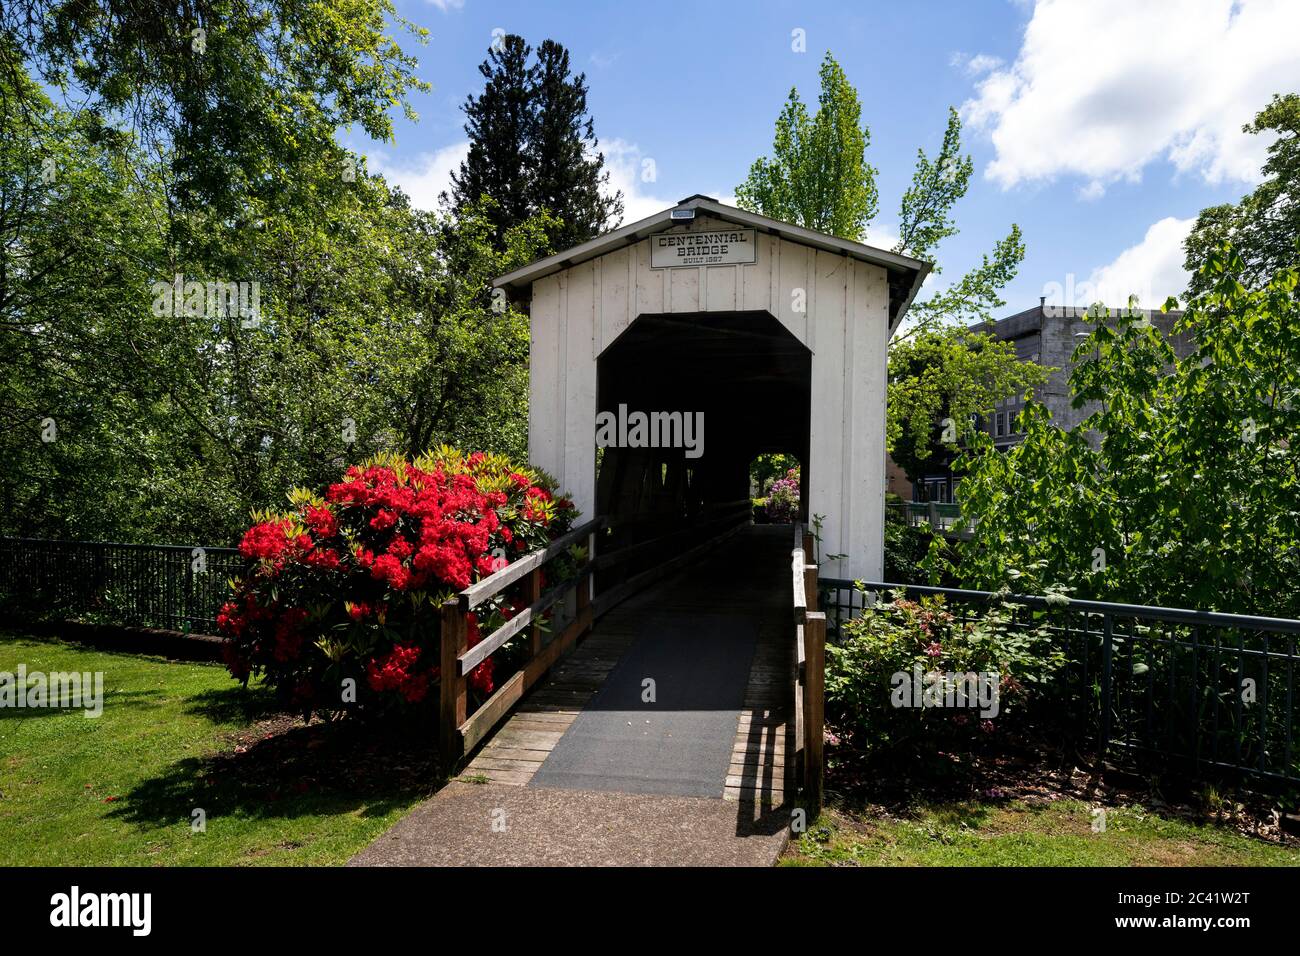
x,y
905,274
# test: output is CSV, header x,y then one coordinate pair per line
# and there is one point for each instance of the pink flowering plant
x,y
783,499
339,604
876,701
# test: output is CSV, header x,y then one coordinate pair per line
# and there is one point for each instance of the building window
x,y
1000,424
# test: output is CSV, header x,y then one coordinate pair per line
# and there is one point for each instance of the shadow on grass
x,y
284,769
235,704
142,699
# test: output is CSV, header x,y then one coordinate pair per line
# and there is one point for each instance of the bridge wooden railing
x,y
460,732
810,663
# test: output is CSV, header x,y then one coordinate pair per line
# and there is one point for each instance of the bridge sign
x,y
699,248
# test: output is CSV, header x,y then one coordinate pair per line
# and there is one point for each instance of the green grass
x,y
122,789
1018,834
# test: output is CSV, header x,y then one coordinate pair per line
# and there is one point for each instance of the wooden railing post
x,y
809,542
452,709
814,638
810,587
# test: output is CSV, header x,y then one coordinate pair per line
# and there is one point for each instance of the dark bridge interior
x,y
749,376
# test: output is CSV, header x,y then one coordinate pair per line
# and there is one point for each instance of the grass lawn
x,y
122,789
1019,833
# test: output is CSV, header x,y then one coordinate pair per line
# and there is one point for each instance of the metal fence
x,y
1194,691
175,587
934,514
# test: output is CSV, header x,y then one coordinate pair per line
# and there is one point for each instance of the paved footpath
x,y
587,773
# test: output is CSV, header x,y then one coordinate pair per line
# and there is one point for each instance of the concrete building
x,y
1048,335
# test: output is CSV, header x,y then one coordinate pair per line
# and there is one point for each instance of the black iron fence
x,y
1193,691
175,587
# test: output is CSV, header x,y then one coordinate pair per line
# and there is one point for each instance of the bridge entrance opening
x,y
776,485
725,387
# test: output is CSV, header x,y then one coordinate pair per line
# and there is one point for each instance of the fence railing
x,y
810,664
174,587
460,732
1196,691
649,559
938,515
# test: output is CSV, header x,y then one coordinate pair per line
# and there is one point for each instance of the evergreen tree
x,y
568,180
499,122
533,146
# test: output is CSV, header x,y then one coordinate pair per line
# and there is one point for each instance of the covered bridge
x,y
734,335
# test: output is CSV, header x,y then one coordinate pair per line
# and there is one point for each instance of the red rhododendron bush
x,y
338,608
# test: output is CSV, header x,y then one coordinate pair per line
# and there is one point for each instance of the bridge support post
x,y
814,690
452,686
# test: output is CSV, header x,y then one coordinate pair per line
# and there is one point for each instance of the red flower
x,y
392,672
322,558
391,570
267,540
230,621
321,520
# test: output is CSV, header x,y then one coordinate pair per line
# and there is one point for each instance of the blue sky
x,y
1101,127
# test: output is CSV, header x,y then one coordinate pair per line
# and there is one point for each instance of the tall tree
x,y
1263,226
500,123
236,94
939,370
128,414
533,147
570,180
939,380
1190,499
818,176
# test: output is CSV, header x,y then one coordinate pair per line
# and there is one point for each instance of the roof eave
x,y
523,277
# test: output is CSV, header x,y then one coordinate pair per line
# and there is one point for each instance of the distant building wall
x,y
1049,335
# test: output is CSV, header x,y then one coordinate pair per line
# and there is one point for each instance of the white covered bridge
x,y
773,335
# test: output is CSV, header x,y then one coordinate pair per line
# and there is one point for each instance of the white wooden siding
x,y
578,313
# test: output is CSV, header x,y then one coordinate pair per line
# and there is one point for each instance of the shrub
x,y
905,549
783,500
338,607
871,691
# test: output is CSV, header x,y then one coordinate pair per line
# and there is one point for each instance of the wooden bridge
x,y
666,718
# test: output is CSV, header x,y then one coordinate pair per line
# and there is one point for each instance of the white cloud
x,y
1102,88
429,176
977,64
637,176
445,5
1152,270
882,236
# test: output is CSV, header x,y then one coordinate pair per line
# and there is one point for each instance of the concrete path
x,y
494,824
586,773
